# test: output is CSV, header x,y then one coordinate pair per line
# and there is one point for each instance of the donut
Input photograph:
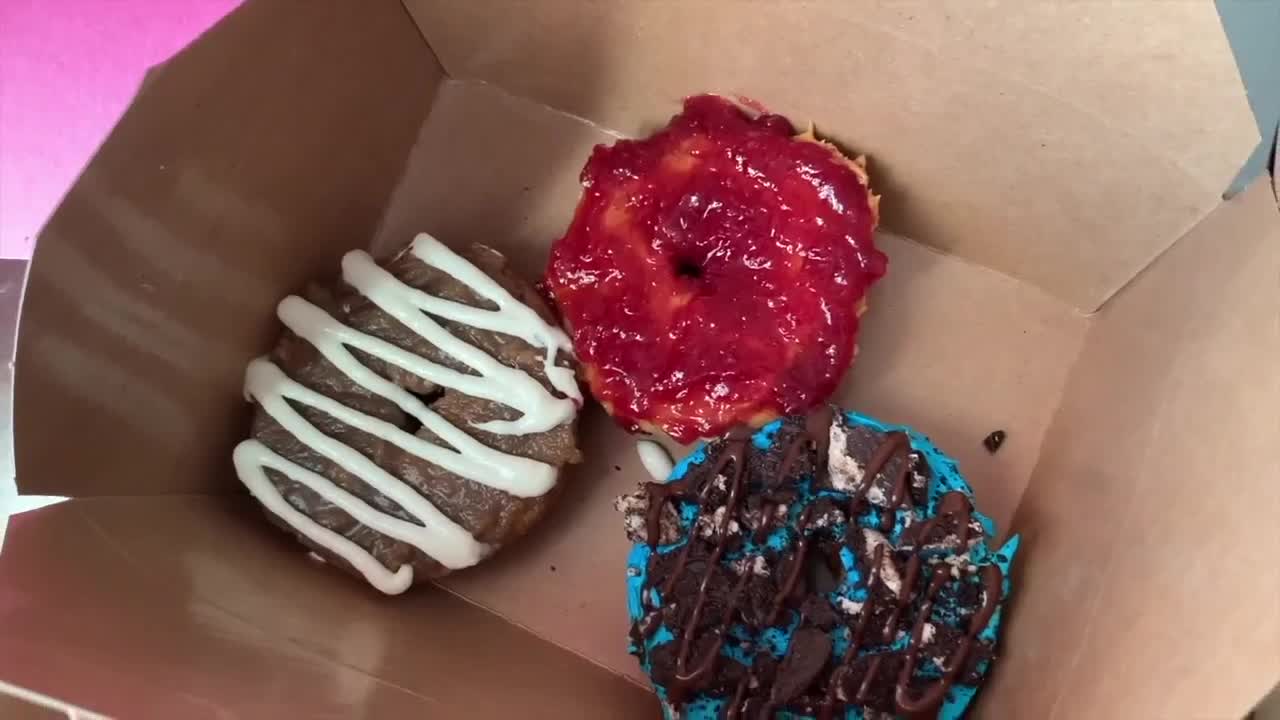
x,y
414,416
828,566
713,273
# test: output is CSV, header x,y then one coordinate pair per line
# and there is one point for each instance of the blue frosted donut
x,y
823,567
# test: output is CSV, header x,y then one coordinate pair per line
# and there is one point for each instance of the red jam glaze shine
x,y
713,272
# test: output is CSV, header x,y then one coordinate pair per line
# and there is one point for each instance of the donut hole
x,y
688,269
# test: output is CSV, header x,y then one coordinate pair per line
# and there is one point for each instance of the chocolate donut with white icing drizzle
x,y
822,567
414,416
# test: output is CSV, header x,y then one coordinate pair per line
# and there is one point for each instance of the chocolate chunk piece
x,y
809,652
993,441
819,575
817,611
635,512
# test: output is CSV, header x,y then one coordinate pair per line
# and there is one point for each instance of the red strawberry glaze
x,y
713,272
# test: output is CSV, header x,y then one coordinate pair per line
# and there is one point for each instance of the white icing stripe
x,y
252,456
516,388
473,460
445,540
437,536
511,318
655,459
517,475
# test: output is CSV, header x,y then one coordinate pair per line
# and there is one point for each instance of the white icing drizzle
x,y
655,459
437,536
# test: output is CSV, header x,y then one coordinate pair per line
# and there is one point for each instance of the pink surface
x,y
68,69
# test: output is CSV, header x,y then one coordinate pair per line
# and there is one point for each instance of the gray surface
x,y
1253,28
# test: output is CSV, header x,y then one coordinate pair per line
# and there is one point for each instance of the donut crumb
x,y
993,441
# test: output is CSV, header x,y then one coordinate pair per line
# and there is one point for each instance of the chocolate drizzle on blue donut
x,y
944,584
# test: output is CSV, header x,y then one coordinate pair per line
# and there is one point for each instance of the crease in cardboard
x,y
1275,179
580,119
439,63
1150,262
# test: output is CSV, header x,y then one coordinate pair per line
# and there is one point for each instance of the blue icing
x,y
956,702
688,514
839,641
637,563
945,478
1004,556
763,438
776,640
661,636
852,575
779,539
704,707
697,457
735,650
1003,559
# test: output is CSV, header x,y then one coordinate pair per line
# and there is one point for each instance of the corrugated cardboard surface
x,y
1149,578
1066,144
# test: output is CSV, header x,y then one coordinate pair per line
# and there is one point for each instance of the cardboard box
x,y
1045,161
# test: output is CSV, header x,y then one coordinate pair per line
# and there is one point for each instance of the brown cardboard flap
x,y
193,607
954,349
1149,585
244,169
1066,144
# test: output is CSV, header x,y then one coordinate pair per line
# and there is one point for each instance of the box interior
x,y
1066,144
1150,518
246,166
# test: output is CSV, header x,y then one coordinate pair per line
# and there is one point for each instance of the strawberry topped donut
x,y
714,272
